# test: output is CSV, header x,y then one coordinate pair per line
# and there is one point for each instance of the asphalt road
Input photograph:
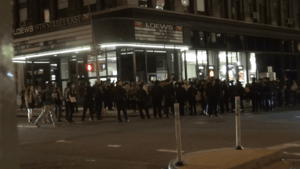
x,y
150,143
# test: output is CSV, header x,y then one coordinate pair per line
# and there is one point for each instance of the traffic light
x,y
90,67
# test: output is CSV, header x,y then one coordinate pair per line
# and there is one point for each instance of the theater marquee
x,y
148,31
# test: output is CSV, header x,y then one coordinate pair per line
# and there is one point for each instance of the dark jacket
x,y
98,96
180,94
119,93
213,91
168,92
156,92
191,93
142,96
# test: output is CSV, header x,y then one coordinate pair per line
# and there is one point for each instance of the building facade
x,y
154,40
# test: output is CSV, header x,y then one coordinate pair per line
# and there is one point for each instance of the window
x,y
143,3
112,63
46,15
87,2
160,4
200,6
62,4
185,2
64,67
23,14
191,64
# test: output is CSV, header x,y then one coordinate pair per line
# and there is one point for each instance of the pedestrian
x,y
70,100
98,98
268,91
232,93
294,90
254,94
168,93
30,99
287,91
280,87
132,91
181,97
57,97
120,99
241,93
213,95
88,102
142,100
157,96
48,107
191,97
22,94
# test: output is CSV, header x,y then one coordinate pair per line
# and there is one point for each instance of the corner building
x,y
154,40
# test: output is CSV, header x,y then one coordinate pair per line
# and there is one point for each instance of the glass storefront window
x,y
92,60
183,67
160,4
112,63
202,63
222,65
102,64
191,64
241,65
64,68
252,67
232,63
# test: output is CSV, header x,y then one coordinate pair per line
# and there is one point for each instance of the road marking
x,y
26,126
114,146
168,151
64,141
284,146
92,160
297,154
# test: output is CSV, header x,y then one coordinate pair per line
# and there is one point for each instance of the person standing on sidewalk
x,y
180,97
132,91
213,95
156,93
23,98
191,96
254,90
57,95
88,102
168,92
48,107
120,99
30,99
99,101
142,100
70,99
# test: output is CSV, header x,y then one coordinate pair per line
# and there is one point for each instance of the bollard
x,y
178,134
238,124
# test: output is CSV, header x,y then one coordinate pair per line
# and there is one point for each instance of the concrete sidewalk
x,y
110,113
228,159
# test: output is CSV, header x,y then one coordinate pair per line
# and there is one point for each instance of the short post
x,y
178,134
238,124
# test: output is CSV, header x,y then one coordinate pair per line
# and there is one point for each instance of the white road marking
x,y
114,146
26,126
297,154
168,151
64,141
92,160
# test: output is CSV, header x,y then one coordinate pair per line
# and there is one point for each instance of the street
x,y
150,143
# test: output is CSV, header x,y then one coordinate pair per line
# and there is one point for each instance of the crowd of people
x,y
212,96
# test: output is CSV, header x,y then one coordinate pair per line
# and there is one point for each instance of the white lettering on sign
x,y
147,31
49,25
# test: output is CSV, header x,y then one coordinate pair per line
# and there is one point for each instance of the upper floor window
x,y
89,2
200,5
23,14
160,4
62,4
185,2
143,3
46,15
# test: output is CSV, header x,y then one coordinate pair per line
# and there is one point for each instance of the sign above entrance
x,y
149,31
52,24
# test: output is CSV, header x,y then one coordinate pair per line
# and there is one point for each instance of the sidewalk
x,y
110,113
231,159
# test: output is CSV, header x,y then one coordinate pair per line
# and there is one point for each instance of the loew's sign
x,y
52,24
148,31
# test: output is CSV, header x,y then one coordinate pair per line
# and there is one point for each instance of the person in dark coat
x,y
142,100
254,92
157,94
88,102
287,91
268,90
224,99
98,101
232,93
241,93
180,97
213,95
279,96
261,96
191,97
168,92
120,99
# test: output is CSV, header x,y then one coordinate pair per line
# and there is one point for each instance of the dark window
x,y
260,44
251,41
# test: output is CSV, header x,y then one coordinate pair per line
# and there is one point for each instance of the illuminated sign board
x,y
149,31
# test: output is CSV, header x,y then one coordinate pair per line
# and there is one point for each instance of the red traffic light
x,y
90,67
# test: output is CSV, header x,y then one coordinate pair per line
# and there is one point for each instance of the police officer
x,y
88,102
120,99
156,93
